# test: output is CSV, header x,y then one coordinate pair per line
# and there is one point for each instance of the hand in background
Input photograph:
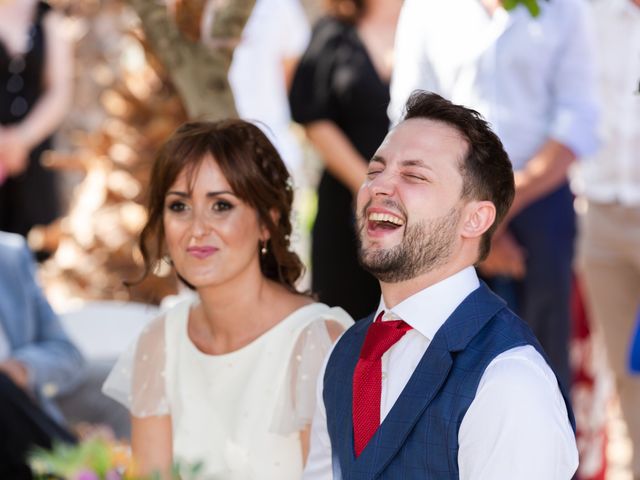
x,y
17,372
14,152
505,258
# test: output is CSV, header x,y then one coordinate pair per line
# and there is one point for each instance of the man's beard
x,y
425,246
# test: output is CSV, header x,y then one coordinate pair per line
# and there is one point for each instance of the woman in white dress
x,y
229,379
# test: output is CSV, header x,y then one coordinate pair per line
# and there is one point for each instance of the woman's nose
x,y
199,225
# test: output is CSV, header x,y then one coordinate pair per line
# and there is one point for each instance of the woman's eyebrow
x,y
215,193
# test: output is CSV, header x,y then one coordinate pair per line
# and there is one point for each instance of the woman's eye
x,y
222,206
177,206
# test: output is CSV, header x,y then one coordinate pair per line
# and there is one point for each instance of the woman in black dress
x,y
340,94
35,91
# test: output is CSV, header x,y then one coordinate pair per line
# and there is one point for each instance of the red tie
x,y
367,378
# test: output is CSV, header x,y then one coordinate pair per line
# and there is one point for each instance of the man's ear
x,y
479,215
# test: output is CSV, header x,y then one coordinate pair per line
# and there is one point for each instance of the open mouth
x,y
384,221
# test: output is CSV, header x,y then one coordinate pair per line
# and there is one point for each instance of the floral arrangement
x,y
95,459
532,5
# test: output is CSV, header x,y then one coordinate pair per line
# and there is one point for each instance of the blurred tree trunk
x,y
198,71
133,87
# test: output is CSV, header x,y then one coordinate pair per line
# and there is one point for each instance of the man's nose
x,y
383,184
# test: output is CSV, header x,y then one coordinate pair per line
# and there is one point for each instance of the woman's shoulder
x,y
329,31
321,312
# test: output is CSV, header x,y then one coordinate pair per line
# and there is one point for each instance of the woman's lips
x,y
201,252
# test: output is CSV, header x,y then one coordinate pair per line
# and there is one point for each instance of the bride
x,y
228,380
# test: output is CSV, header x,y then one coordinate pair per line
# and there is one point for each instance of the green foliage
x,y
66,461
96,459
531,5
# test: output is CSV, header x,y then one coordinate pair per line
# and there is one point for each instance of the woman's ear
x,y
478,218
275,218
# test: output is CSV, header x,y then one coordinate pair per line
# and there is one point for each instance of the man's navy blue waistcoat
x,y
419,437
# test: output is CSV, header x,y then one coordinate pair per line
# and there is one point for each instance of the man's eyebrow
x,y
379,159
415,163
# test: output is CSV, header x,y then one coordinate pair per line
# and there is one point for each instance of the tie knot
x,y
381,336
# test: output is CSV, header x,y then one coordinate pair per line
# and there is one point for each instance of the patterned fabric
x,y
367,378
419,437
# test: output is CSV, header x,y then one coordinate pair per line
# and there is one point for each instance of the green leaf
x,y
531,5
510,4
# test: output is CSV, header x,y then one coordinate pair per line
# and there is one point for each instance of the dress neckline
x,y
252,344
360,42
36,18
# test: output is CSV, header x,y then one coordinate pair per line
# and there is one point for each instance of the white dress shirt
x,y
531,78
613,174
517,425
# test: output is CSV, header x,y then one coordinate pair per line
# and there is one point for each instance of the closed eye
x,y
416,177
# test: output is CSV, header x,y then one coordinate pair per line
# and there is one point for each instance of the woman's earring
x,y
263,248
167,259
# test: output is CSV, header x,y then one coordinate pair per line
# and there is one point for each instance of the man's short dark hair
x,y
486,170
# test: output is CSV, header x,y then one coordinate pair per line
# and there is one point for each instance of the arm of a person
x,y
543,174
517,425
294,37
574,121
411,68
339,155
52,106
318,464
151,445
51,359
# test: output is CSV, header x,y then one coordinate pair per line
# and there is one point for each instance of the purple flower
x,y
112,475
86,475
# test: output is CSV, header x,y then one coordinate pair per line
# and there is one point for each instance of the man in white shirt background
x,y
532,78
608,186
446,382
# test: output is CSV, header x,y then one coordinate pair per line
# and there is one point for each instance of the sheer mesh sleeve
x,y
297,401
138,378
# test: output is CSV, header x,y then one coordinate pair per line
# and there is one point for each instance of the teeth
x,y
385,217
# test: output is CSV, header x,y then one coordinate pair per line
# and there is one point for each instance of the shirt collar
x,y
427,310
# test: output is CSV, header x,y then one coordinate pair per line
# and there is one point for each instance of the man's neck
x,y
395,293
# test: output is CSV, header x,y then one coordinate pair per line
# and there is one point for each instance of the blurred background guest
x,y
37,361
608,186
35,92
532,77
274,38
340,93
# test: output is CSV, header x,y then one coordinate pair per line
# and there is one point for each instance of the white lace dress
x,y
239,413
